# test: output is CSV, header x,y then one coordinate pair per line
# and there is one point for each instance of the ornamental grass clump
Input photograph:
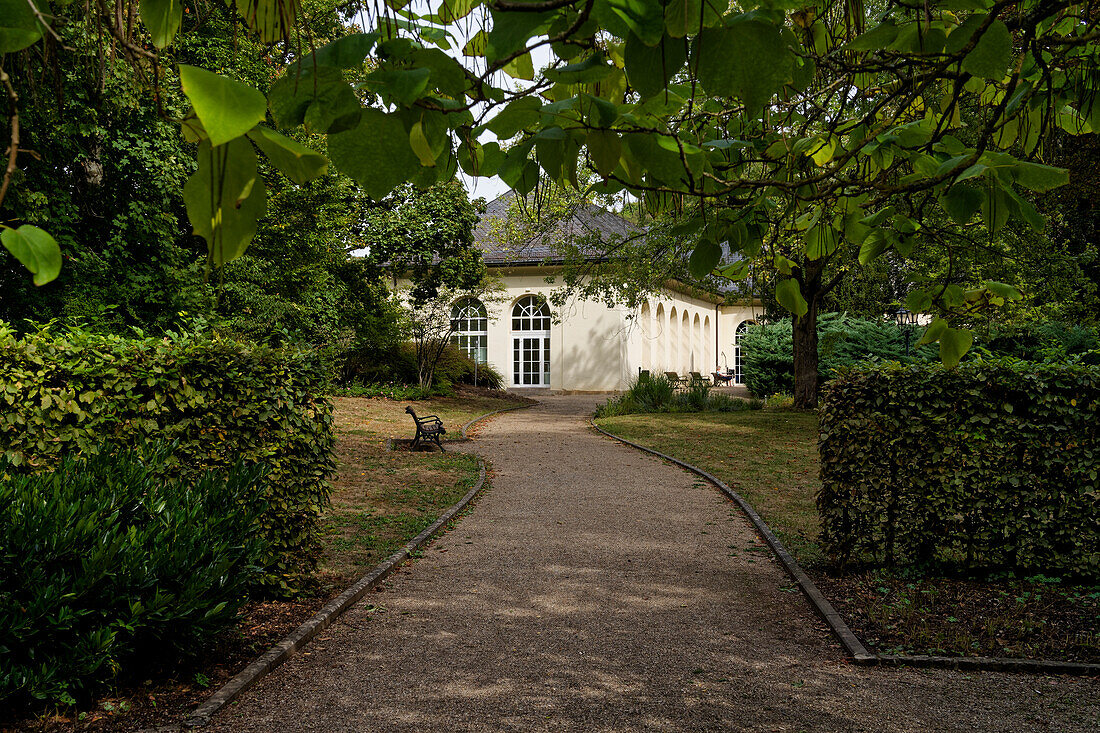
x,y
111,570
649,393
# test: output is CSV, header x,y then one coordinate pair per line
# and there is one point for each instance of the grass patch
x,y
770,458
767,456
382,499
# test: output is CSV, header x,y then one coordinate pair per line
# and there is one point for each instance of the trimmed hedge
x,y
108,568
64,392
993,465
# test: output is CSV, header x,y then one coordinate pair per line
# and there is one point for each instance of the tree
x,y
430,323
800,134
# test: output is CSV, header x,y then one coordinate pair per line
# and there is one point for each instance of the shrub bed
x,y
108,566
993,466
220,401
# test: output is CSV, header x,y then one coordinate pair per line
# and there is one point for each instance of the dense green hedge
x,y
109,568
69,391
991,465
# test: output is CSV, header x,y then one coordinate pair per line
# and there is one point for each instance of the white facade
x,y
590,347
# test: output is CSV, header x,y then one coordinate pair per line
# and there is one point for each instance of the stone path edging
x,y
852,645
301,636
285,649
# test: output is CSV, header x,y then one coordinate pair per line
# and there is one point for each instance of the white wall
x,y
597,348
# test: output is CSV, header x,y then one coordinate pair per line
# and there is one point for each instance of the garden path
x,y
595,588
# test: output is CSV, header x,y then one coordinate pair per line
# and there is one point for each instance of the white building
x,y
586,345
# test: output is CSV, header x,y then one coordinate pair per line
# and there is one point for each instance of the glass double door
x,y
531,360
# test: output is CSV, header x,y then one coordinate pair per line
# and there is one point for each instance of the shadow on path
x,y
595,588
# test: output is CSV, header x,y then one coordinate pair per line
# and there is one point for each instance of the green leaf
x,y
645,18
705,258
605,148
954,343
511,32
418,141
376,154
755,72
650,69
521,67
227,108
821,241
402,85
19,27
162,19
790,297
991,57
875,244
347,52
452,10
961,202
875,39
1002,290
36,249
1038,177
323,101
518,115
590,69
297,162
933,332
270,19
918,301
688,17
225,198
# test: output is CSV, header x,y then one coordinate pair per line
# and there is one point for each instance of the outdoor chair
x,y
676,380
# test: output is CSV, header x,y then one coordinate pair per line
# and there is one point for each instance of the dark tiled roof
x,y
587,227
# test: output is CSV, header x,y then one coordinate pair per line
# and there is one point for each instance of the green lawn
x,y
767,456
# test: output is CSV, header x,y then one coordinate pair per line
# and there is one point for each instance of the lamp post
x,y
905,319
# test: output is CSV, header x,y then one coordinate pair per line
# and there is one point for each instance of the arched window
x,y
738,365
530,342
470,323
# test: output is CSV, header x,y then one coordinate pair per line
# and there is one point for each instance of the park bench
x,y
428,428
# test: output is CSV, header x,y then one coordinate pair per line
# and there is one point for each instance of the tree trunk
x,y
805,337
805,358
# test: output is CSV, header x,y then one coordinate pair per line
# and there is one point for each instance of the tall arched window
x,y
530,342
470,323
738,365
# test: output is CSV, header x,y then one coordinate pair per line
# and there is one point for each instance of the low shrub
x,y
655,393
67,391
111,568
993,465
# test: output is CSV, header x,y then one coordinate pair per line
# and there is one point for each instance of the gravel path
x,y
595,588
